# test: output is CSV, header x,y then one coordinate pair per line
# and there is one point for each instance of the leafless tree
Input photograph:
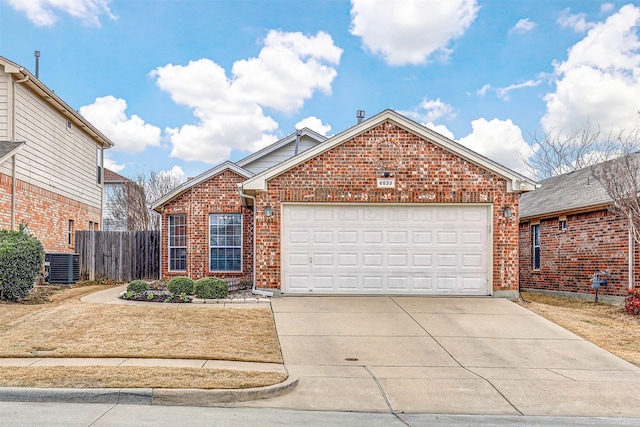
x,y
620,177
130,200
556,152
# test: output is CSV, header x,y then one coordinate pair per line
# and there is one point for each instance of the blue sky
x,y
183,85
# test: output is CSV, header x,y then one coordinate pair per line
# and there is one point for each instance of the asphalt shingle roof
x,y
571,191
6,147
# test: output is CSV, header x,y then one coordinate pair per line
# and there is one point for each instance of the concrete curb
x,y
147,396
199,397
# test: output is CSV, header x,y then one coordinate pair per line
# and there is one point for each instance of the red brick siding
x,y
46,213
218,194
425,173
592,242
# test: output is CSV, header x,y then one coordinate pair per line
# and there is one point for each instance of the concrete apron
x,y
444,355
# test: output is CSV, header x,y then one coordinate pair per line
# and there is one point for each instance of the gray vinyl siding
x,y
54,158
283,153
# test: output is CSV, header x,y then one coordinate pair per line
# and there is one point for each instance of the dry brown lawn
x,y
135,377
605,325
53,322
67,327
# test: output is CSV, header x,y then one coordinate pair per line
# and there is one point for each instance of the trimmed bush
x,y
137,286
21,261
632,302
210,288
180,285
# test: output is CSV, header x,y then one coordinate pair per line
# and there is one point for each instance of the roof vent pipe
x,y
298,135
360,115
37,55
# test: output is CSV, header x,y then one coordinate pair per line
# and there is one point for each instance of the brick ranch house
x,y
50,162
567,234
385,207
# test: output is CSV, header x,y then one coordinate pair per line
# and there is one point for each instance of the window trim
x,y
171,227
535,240
70,232
562,223
240,246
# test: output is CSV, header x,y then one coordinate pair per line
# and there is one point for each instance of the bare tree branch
x,y
620,177
130,200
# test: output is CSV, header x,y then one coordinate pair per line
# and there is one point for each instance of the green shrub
x,y
137,286
21,261
180,285
210,288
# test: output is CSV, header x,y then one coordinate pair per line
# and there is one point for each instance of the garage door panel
x,y
373,249
372,283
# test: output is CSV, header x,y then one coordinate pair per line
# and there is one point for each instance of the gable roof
x,y
56,102
515,181
111,176
182,188
9,148
279,144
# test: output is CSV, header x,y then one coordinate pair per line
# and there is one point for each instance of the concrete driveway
x,y
444,355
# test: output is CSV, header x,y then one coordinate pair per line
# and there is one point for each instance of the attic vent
x,y
68,124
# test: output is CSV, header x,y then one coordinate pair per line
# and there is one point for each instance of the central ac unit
x,y
62,268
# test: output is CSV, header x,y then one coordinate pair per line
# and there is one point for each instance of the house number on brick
x,y
386,183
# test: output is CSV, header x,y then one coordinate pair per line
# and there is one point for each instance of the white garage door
x,y
386,249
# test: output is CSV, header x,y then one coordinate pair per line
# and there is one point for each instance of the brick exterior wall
x,y
424,173
46,213
219,194
592,242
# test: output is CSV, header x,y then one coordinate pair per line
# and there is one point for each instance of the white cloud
x,y
499,140
577,22
175,172
44,13
112,165
483,90
503,92
599,82
315,124
289,69
431,110
411,31
606,7
523,26
131,135
441,129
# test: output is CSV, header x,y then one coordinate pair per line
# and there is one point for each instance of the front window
x,y
177,242
536,246
225,242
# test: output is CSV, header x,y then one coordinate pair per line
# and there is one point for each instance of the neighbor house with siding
x,y
387,206
567,234
50,162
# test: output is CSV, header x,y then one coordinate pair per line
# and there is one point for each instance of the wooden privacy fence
x,y
118,255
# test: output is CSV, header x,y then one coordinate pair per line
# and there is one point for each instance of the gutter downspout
x,y
13,158
255,233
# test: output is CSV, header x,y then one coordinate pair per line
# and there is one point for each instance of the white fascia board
x,y
216,170
279,144
515,181
49,96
